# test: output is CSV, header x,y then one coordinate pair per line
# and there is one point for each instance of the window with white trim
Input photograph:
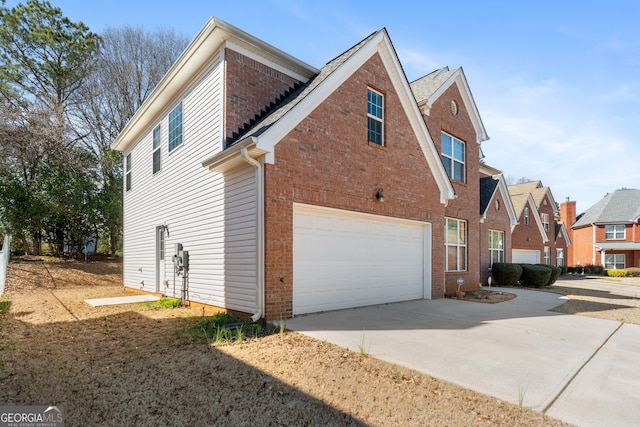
x,y
545,221
496,246
526,216
547,255
614,261
127,168
156,149
375,117
559,257
452,155
614,232
456,245
175,128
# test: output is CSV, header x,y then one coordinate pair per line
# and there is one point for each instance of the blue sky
x,y
556,82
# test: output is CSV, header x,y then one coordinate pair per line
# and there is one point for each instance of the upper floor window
x,y
453,157
127,169
156,149
456,245
526,216
545,221
375,117
175,127
496,246
614,232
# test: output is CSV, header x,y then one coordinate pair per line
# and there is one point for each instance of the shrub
x,y
596,270
555,273
617,273
506,274
576,269
633,271
535,276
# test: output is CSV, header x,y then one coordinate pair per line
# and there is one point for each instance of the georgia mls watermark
x,y
31,416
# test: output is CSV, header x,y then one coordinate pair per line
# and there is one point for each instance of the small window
x,y
453,157
496,246
156,149
375,128
127,169
545,221
547,255
559,257
526,216
614,261
175,128
614,232
456,245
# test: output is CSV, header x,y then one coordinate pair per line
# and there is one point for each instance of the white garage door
x,y
343,259
525,256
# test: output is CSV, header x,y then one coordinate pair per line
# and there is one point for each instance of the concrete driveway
x,y
578,369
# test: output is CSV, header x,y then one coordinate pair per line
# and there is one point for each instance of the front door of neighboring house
x,y
160,254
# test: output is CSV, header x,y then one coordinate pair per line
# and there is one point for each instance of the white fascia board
x,y
198,54
467,97
513,217
381,44
563,231
536,215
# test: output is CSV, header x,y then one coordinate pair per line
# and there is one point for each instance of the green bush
x,y
633,271
506,274
596,270
555,273
535,276
617,273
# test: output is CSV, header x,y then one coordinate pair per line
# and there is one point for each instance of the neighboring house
x,y
608,233
497,217
298,190
535,204
454,123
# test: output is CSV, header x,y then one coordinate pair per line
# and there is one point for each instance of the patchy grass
x,y
5,304
224,328
163,303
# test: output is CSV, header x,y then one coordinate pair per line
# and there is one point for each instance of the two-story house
x,y
295,189
608,233
539,237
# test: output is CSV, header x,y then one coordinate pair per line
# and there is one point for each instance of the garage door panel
x,y
343,259
525,256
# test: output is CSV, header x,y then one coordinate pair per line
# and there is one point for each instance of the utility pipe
x,y
259,231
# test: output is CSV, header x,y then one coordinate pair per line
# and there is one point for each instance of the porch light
x,y
379,195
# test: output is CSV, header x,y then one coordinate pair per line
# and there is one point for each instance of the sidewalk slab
x,y
97,302
605,392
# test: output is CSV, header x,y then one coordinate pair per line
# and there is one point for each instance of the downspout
x,y
260,233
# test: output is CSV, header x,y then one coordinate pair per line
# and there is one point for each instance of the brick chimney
x,y
568,217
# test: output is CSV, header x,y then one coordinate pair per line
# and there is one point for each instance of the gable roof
x,y
262,139
429,88
561,229
215,35
620,207
489,187
520,201
537,191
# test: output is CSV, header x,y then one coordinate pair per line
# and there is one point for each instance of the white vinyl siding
x,y
211,215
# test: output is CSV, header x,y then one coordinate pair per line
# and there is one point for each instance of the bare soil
x,y
127,365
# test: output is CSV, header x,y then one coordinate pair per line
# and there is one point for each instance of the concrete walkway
x,y
577,369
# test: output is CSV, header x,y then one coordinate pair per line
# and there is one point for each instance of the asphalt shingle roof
x,y
487,189
426,86
296,97
621,206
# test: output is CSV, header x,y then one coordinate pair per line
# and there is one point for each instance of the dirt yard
x,y
126,365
